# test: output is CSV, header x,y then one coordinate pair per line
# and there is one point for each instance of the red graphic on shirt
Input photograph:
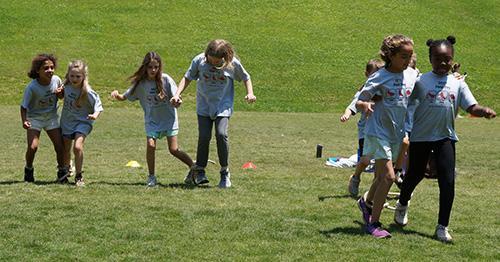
x,y
431,95
390,93
408,92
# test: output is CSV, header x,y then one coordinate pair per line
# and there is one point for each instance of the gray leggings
x,y
205,134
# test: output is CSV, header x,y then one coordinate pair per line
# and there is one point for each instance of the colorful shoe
x,y
29,175
201,178
225,181
442,234
151,181
62,176
376,230
354,185
366,211
79,180
401,214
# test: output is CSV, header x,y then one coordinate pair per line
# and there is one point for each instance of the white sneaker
x,y
442,234
354,185
151,181
225,181
401,214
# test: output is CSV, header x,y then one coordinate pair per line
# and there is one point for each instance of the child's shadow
x,y
359,230
38,183
397,228
322,198
142,184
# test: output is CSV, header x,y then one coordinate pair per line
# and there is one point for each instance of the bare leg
x,y
78,151
402,153
67,151
33,137
150,155
173,147
385,177
56,138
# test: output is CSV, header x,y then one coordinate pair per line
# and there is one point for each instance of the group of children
x,y
398,105
214,70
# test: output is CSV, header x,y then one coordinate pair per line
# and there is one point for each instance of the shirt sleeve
x,y
240,74
26,97
352,105
96,101
128,94
193,72
371,87
465,95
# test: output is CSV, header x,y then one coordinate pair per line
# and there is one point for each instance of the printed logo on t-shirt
x,y
214,77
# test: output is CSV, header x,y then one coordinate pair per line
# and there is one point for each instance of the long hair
x,y
392,45
142,74
82,69
221,48
37,63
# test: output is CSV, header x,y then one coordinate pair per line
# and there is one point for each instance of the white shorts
x,y
47,123
377,148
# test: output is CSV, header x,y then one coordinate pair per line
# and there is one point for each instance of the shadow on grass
x,y
142,184
397,228
38,183
359,230
322,198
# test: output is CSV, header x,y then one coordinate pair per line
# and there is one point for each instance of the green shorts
x,y
377,148
161,134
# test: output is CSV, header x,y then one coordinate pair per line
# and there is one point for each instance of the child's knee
x,y
390,177
173,150
77,148
151,144
364,160
32,148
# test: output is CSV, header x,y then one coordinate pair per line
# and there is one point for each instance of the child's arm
x,y
94,116
365,106
26,123
176,100
250,97
60,91
116,95
347,114
481,111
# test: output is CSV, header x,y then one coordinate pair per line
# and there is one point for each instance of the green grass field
x,y
271,213
306,59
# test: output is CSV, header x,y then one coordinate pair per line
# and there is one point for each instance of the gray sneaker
x,y
189,179
442,234
201,178
354,185
225,181
151,181
401,214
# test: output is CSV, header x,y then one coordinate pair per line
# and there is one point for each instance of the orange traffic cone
x,y
249,165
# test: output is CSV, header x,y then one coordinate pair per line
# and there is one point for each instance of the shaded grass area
x,y
304,56
291,207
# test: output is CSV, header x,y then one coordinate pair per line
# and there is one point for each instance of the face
x,y
215,61
401,60
152,69
441,59
46,71
75,77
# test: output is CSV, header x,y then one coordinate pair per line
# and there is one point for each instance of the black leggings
x,y
444,154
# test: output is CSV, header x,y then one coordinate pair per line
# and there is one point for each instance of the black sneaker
x,y
62,176
28,175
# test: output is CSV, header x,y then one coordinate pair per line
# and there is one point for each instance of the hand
x,y
250,98
59,89
115,94
26,124
367,108
344,117
91,117
176,101
489,113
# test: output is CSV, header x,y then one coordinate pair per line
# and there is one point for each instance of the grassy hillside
x,y
303,55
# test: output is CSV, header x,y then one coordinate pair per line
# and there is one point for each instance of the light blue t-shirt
x,y
215,87
362,119
159,115
436,100
74,118
387,121
41,101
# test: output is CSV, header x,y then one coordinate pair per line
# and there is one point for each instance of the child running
x,y
437,97
153,89
215,71
82,106
39,111
385,125
372,66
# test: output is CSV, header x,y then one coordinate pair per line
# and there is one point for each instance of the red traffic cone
x,y
249,165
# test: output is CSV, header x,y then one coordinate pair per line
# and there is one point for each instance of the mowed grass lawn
x,y
271,213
